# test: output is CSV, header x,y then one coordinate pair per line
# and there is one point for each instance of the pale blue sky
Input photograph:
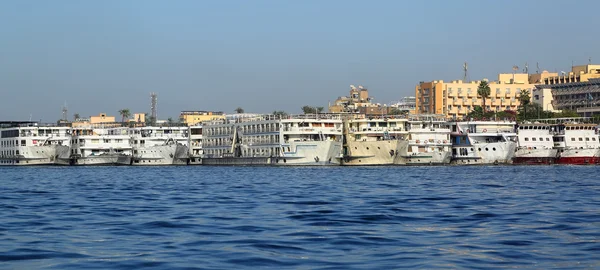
x,y
102,56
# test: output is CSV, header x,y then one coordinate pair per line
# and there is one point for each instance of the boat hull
x,y
102,160
432,158
371,153
535,156
486,154
160,155
315,153
579,157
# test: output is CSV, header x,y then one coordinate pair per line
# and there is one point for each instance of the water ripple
x,y
299,218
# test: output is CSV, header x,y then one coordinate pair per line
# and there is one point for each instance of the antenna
x,y
526,70
515,68
64,112
466,72
537,66
590,61
153,109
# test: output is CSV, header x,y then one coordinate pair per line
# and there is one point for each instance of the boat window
x,y
526,139
587,139
533,139
572,139
580,139
547,139
541,139
593,139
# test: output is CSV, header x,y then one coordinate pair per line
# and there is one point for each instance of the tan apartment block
x,y
456,99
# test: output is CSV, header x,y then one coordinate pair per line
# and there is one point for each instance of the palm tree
x,y
308,109
125,114
483,90
239,110
76,116
524,100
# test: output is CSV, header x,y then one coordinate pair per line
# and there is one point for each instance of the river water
x,y
202,217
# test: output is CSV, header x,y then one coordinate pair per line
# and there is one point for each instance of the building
x,y
581,73
359,97
457,98
138,118
407,104
192,118
102,118
582,97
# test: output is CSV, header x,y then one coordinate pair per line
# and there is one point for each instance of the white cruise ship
x,y
29,143
100,146
273,140
428,141
159,145
374,140
535,144
483,142
195,144
577,144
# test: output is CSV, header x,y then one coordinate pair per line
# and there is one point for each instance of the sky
x,y
103,56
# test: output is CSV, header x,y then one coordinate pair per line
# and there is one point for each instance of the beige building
x,y
581,73
102,118
456,99
192,118
359,97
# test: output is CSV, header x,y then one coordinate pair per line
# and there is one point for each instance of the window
x,y
449,107
533,139
547,139
572,139
587,139
581,139
526,139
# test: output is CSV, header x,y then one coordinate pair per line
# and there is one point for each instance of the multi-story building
x,y
581,73
582,97
577,90
457,98
359,97
191,118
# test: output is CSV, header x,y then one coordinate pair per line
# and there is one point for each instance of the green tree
x,y
568,113
483,90
308,109
170,121
525,99
319,109
280,114
396,111
76,116
239,110
125,113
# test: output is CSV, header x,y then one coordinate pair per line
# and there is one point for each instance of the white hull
x,y
361,153
308,153
487,153
535,153
160,155
107,159
35,155
429,158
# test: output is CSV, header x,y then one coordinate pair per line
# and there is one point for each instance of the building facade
x,y
192,118
582,97
359,97
456,99
581,73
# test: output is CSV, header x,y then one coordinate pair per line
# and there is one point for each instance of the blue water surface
x,y
202,217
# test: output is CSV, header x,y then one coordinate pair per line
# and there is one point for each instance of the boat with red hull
x,y
535,144
577,144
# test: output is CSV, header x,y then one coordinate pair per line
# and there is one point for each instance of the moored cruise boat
x,y
483,142
100,146
577,144
29,143
428,141
195,144
373,140
159,145
535,144
273,140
